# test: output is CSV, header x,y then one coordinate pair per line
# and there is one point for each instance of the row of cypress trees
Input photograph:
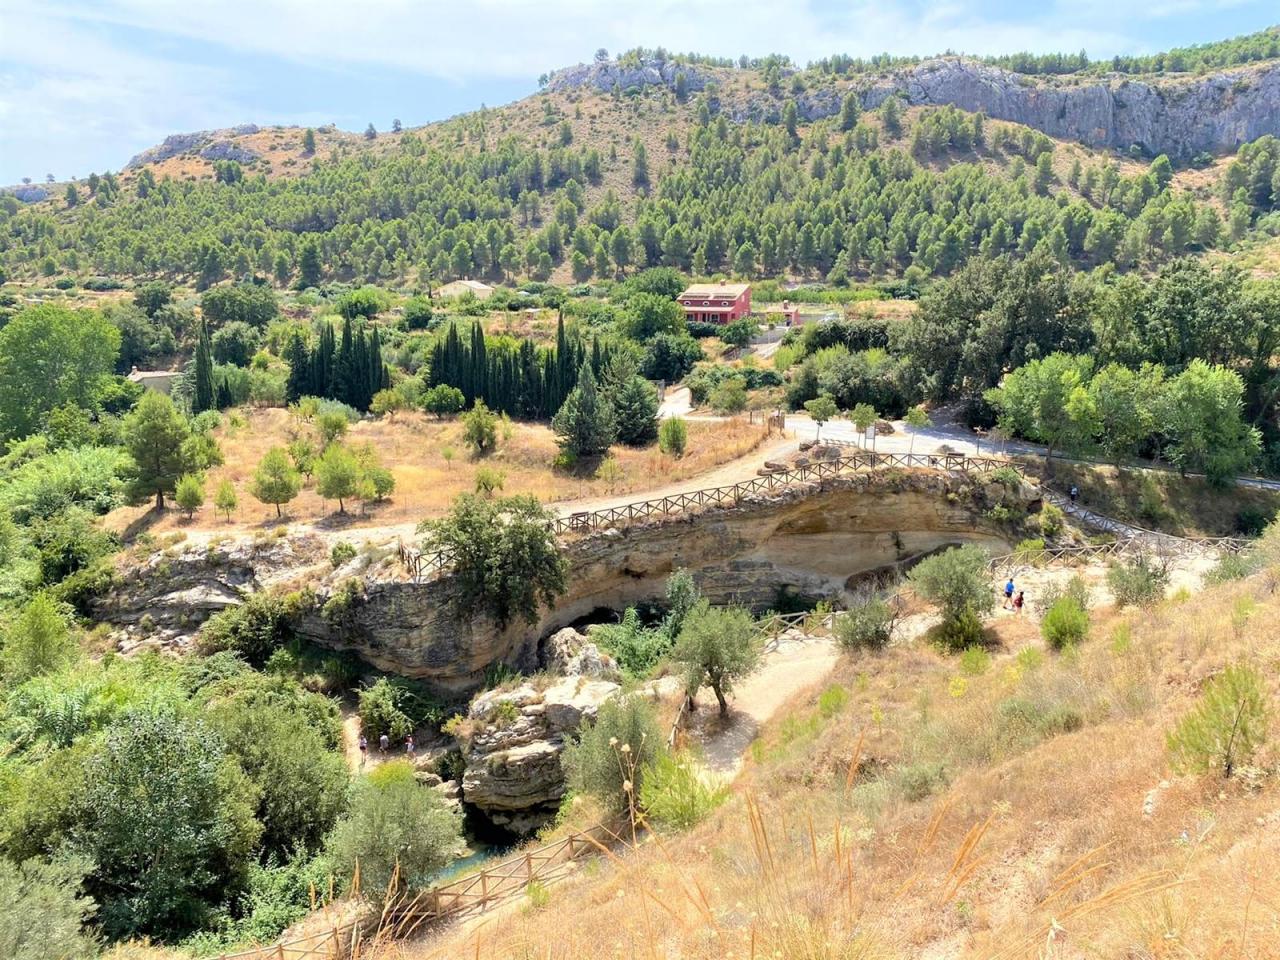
x,y
528,383
208,395
351,371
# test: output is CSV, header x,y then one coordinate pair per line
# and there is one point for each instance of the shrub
x,y
39,641
43,913
1050,519
956,580
254,630
1075,588
189,494
443,400
342,552
619,746
866,625
672,436
1030,551
974,661
636,647
918,780
1066,623
379,709
673,792
399,833
1225,728
1139,582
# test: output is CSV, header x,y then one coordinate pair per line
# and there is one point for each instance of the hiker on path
x,y
1074,493
408,744
364,749
1017,603
1008,594
384,743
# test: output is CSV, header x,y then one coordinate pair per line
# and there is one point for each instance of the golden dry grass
x,y
411,445
1029,846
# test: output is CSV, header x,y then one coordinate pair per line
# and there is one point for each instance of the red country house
x,y
716,302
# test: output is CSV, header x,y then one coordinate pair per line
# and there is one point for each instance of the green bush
x,y
918,780
956,580
866,625
254,630
379,709
961,631
399,833
43,913
619,747
342,552
1066,623
1225,728
674,792
637,648
673,435
1139,582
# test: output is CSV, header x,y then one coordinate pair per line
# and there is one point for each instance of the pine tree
x,y
636,411
309,265
585,424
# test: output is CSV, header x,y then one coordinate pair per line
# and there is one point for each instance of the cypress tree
x,y
298,357
204,398
585,424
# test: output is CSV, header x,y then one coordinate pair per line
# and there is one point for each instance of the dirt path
x,y
796,664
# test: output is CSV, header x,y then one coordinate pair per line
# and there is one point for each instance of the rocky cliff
x,y
815,540
1180,116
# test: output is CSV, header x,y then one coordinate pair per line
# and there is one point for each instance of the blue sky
x,y
85,84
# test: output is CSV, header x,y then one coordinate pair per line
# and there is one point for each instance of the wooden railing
x,y
447,901
423,565
1166,548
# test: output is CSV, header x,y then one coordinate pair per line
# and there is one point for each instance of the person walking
x,y
1008,594
1074,493
364,749
408,744
384,743
1017,604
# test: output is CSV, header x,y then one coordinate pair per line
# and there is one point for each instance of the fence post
x,y
528,866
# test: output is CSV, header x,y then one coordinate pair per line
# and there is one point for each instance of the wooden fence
x,y
447,901
423,565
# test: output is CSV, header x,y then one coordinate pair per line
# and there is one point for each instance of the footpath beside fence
x,y
471,893
424,565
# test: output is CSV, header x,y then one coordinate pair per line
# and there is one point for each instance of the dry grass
x,y
1028,845
411,445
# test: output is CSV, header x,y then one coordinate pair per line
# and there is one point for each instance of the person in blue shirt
x,y
1008,593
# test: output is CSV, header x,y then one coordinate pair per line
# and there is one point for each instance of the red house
x,y
716,302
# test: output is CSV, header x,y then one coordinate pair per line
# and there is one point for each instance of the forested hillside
x,y
576,183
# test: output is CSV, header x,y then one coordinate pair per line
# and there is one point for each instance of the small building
x,y
787,314
160,381
721,302
481,291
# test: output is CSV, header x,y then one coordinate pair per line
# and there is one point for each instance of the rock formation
x,y
513,773
1178,115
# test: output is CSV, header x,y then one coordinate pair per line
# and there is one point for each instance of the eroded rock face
x,y
816,541
1180,116
513,773
567,653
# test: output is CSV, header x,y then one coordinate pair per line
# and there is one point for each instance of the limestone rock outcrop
x,y
567,653
513,773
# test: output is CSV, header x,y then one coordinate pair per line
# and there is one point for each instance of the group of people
x,y
384,746
1011,601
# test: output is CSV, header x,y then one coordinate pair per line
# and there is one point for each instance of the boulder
x,y
568,653
513,773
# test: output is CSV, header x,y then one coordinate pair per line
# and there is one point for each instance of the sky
x,y
86,84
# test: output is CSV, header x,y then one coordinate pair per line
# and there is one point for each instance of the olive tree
x,y
717,646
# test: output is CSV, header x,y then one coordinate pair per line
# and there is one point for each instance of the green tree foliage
x,y
350,370
154,434
866,624
38,641
649,314
635,407
1139,582
443,400
246,302
820,410
168,839
480,428
50,356
1204,410
189,493
505,557
225,500
956,580
1048,400
1065,623
1226,728
254,630
585,425
612,755
398,831
337,475
44,914
673,436
276,480
669,357
717,646
379,709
